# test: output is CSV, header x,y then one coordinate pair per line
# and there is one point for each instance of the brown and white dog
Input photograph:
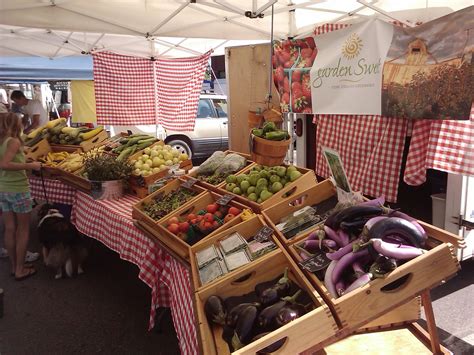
x,y
63,247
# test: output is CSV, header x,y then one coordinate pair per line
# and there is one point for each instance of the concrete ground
x,y
106,310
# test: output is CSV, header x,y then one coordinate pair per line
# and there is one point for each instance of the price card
x,y
141,181
316,262
189,183
263,234
224,200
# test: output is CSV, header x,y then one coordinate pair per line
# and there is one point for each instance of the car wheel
x,y
181,146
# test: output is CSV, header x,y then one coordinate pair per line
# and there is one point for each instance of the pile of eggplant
x,y
364,242
249,317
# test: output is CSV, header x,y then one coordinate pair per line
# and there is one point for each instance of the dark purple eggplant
x,y
270,348
398,226
315,245
356,212
412,220
244,326
289,313
382,265
215,310
331,220
233,315
354,226
267,316
379,201
343,237
274,293
340,252
396,239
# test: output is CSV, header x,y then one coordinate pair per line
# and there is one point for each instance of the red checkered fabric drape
x,y
371,148
179,82
440,145
124,89
135,91
329,27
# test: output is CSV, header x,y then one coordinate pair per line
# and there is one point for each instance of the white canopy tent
x,y
178,28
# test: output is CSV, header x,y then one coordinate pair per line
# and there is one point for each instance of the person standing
x,y
15,197
33,110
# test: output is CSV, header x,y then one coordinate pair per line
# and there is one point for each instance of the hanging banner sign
x,y
377,68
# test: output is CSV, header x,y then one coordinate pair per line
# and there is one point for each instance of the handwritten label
x,y
316,262
263,234
224,200
141,181
189,183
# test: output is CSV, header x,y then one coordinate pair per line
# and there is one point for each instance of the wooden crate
x,y
38,150
323,191
306,180
76,180
145,181
304,332
209,186
247,229
96,141
367,303
173,185
174,242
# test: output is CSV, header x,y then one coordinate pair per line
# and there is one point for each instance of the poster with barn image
x,y
428,72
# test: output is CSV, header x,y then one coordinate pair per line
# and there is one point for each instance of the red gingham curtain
x,y
137,91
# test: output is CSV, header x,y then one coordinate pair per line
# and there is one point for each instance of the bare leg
x,y
10,243
22,236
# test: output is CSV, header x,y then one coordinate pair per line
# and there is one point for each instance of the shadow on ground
x,y
106,310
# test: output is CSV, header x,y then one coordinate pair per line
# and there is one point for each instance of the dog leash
x,y
42,183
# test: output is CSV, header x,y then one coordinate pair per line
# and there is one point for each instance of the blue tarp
x,y
17,69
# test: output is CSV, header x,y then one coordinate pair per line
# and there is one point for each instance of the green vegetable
x,y
125,153
265,195
257,132
276,135
269,127
294,175
276,186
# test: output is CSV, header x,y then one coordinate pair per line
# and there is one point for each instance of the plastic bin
x,y
438,209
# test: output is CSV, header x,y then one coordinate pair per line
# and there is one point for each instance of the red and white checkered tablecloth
x,y
371,148
56,191
110,222
441,145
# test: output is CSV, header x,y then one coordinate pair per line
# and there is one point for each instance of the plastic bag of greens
x,y
231,164
211,164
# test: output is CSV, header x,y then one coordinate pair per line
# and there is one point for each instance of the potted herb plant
x,y
107,175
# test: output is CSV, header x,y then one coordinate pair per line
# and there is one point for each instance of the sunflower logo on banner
x,y
352,46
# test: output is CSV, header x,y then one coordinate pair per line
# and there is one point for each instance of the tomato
x,y
215,224
228,218
219,214
173,220
234,210
284,56
302,43
298,101
212,208
191,216
173,228
208,217
296,76
193,221
184,227
208,225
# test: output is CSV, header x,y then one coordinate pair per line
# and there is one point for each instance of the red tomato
x,y
212,208
173,220
219,214
284,56
173,228
191,216
184,227
310,42
208,217
285,99
193,221
215,224
289,63
234,210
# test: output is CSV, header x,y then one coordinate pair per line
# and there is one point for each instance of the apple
x,y
156,162
147,150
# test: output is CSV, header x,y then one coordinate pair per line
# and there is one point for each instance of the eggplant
x,y
345,261
340,287
412,220
267,316
340,252
399,252
358,268
332,234
382,266
270,348
328,279
361,281
244,326
314,245
289,313
215,310
398,226
331,220
343,237
233,315
371,222
274,293
356,212
379,201
354,226
316,235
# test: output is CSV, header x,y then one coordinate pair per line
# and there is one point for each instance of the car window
x,y
204,109
221,107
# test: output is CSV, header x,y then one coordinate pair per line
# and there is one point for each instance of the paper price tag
x,y
316,262
141,181
224,200
263,234
189,183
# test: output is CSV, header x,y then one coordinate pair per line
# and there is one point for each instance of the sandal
x,y
30,272
26,266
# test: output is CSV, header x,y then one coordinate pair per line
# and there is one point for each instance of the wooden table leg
x,y
430,320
